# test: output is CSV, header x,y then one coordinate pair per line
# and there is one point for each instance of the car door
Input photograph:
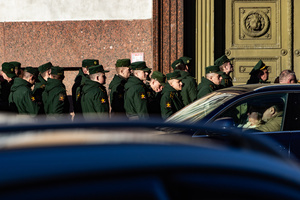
x,y
292,123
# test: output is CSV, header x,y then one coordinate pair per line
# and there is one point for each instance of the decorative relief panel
x,y
255,23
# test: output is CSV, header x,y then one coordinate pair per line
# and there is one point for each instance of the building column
x,y
204,36
167,33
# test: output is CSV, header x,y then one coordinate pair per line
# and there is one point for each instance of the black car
x,y
130,160
233,106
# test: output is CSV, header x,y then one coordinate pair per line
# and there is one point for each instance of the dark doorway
x,y
219,47
190,32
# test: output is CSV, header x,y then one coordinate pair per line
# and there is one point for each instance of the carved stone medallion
x,y
255,24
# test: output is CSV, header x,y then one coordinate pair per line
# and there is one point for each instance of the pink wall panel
x,y
67,43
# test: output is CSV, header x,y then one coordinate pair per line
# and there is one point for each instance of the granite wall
x,y
67,43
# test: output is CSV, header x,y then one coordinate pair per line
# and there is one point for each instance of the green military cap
x,y
55,70
9,69
259,66
223,59
160,77
140,65
174,75
177,62
31,70
90,62
16,64
45,67
123,63
212,69
96,69
186,60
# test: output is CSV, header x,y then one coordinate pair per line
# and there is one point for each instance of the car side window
x,y
263,113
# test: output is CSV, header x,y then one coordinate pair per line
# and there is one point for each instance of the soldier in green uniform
x,y
171,100
54,97
94,99
156,85
259,73
21,99
116,87
79,81
210,82
18,69
226,68
136,101
40,84
189,88
8,74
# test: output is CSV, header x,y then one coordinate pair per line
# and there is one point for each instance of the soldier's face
x,y
142,75
102,78
176,84
155,85
125,72
264,75
228,68
216,79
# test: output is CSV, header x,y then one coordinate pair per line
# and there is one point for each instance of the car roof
x,y
241,89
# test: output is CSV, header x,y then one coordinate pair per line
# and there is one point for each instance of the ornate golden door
x,y
262,29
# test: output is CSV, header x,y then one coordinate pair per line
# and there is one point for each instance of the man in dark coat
x,y
189,88
40,84
136,100
18,69
171,100
79,81
8,75
226,68
156,85
21,99
210,82
116,87
259,73
55,98
94,100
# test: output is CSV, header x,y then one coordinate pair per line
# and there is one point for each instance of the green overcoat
x,y
205,87
38,90
226,81
5,91
254,79
21,99
94,99
135,99
55,98
78,82
189,88
170,101
117,91
154,103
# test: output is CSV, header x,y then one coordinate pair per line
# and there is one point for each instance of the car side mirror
x,y
224,123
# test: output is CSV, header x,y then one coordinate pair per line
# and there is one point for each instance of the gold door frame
x,y
204,36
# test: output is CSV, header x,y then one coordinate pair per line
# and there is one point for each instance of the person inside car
x,y
254,118
272,117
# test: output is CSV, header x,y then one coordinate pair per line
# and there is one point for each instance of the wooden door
x,y
259,29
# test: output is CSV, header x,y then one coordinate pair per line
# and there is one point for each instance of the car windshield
x,y
202,107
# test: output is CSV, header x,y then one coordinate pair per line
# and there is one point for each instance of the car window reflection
x,y
201,108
